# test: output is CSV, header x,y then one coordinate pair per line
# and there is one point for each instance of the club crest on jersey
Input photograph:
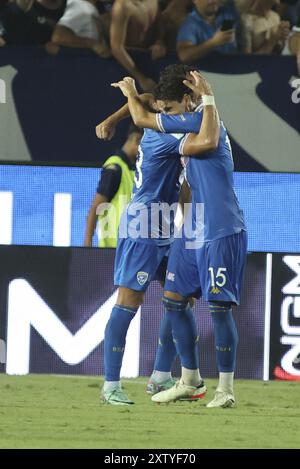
x,y
142,277
215,290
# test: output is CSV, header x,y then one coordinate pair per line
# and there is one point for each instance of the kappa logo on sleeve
x,y
171,276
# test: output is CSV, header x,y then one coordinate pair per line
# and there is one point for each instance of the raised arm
x,y
64,36
106,129
207,138
140,113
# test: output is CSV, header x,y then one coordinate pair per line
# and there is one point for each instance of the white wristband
x,y
208,100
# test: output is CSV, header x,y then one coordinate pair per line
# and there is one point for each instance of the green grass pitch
x,y
43,411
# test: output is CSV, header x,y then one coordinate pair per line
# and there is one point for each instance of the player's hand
x,y
127,86
2,42
158,50
106,129
221,38
197,83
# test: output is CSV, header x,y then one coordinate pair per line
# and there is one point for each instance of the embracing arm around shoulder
x,y
106,129
208,137
138,107
141,116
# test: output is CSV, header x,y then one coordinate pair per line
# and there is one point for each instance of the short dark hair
x,y
170,86
134,129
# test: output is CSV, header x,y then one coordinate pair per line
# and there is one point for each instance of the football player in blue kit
x,y
214,267
143,244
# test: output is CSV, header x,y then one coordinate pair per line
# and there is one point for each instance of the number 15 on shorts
x,y
218,277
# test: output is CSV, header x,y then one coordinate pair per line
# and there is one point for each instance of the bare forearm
x,y
192,53
124,111
120,114
268,46
105,130
90,228
64,37
137,111
122,56
208,137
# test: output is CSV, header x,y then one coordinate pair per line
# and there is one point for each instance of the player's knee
x,y
131,298
178,303
174,296
220,305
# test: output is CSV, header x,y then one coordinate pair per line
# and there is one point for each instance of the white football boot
x,y
180,392
222,399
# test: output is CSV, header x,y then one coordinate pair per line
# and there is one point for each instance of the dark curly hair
x,y
170,86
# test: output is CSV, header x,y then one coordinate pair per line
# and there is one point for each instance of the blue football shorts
x,y
214,271
138,263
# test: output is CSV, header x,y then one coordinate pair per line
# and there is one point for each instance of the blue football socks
x,y
226,335
166,351
115,339
184,330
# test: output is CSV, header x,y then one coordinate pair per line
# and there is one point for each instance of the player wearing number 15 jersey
x,y
214,268
218,256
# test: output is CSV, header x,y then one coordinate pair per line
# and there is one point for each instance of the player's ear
x,y
188,102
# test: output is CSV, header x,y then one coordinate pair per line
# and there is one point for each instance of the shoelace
x,y
117,393
221,393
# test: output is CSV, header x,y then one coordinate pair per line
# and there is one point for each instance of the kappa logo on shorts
x,y
171,276
215,290
142,277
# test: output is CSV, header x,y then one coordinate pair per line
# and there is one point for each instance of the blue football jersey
x,y
157,174
210,178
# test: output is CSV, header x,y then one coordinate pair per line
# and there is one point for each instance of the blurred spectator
x,y
81,27
209,28
292,45
29,21
174,14
49,10
265,33
243,6
137,25
289,10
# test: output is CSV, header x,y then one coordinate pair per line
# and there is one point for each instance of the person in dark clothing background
x,y
29,22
